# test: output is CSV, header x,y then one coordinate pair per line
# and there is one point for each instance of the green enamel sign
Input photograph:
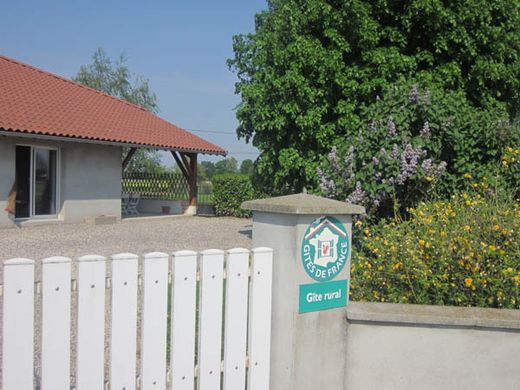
x,y
325,249
323,296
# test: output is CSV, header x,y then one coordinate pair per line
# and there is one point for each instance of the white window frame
x,y
57,198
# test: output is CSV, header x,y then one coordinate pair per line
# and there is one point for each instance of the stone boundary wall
x,y
394,346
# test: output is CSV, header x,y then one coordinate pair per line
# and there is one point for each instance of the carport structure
x,y
61,146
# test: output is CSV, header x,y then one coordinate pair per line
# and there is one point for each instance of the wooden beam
x,y
185,160
182,167
128,157
193,179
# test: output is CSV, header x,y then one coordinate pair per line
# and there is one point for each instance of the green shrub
x,y
414,141
229,191
510,166
464,251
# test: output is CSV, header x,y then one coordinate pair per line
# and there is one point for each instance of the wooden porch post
x,y
187,163
192,182
184,169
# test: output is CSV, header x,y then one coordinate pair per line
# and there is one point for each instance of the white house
x,y
61,147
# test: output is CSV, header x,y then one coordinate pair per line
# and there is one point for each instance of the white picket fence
x,y
231,352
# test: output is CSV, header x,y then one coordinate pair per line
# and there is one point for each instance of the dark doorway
x,y
23,182
36,181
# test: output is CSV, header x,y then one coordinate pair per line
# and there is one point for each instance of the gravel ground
x,y
134,236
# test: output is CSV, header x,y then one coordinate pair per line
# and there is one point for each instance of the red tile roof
x,y
37,102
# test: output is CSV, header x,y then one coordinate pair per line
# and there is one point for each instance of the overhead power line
x,y
223,132
211,131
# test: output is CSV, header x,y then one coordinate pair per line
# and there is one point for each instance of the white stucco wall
x,y
405,347
91,181
90,178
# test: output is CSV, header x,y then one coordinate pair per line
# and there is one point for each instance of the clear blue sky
x,y
180,46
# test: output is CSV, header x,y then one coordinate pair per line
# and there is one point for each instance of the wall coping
x,y
433,315
302,204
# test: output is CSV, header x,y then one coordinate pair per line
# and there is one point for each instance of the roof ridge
x,y
61,78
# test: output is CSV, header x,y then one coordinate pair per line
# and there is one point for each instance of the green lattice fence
x,y
169,186
205,192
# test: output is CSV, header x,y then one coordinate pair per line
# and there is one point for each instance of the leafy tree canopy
x,y
310,65
207,170
247,167
148,161
115,79
227,165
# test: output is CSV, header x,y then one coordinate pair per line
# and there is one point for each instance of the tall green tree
x,y
247,167
227,165
311,64
114,78
209,169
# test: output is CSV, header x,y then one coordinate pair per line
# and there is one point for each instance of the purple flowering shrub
x,y
384,180
412,141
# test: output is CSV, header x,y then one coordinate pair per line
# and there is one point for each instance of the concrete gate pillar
x,y
308,349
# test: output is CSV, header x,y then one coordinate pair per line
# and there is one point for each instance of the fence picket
x,y
91,322
124,321
210,327
155,302
247,325
237,270
183,320
55,354
260,297
18,318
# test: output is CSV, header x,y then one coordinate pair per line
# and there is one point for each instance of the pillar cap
x,y
302,204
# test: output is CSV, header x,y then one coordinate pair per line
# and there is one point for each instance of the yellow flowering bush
x,y
464,251
510,165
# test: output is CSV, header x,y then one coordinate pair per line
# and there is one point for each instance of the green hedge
x,y
229,191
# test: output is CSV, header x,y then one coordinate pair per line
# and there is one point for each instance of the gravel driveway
x,y
134,235
137,236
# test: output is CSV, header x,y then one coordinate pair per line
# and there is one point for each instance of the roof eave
x,y
48,137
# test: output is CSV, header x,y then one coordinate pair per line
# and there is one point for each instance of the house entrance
x,y
36,178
